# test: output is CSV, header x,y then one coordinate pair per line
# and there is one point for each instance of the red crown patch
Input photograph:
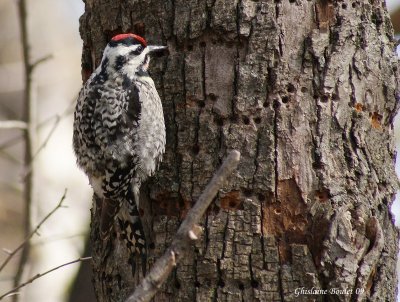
x,y
124,36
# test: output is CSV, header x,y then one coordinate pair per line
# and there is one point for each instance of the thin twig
x,y
13,125
29,138
11,142
23,243
58,118
28,168
187,233
14,290
40,61
11,157
67,111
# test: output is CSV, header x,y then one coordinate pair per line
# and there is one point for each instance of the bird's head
x,y
128,54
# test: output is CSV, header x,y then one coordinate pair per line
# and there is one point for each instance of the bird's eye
x,y
137,51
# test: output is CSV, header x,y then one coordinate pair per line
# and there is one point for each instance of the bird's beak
x,y
157,50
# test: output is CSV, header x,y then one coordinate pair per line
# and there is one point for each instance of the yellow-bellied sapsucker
x,y
119,134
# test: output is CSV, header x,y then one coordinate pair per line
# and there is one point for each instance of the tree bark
x,y
307,92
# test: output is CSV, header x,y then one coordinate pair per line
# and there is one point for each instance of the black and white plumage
x,y
119,133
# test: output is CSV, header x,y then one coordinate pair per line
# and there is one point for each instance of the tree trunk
x,y
307,92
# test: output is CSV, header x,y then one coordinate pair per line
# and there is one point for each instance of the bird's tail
x,y
129,226
132,233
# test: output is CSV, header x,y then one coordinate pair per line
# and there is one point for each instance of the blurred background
x,y
53,28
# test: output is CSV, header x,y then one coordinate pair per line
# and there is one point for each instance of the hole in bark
x,y
232,204
285,99
190,47
152,246
344,5
246,120
241,286
254,284
247,192
202,104
266,104
324,99
221,283
197,284
291,88
257,120
202,44
231,200
322,195
261,197
354,4
335,97
304,89
278,211
234,118
276,104
212,96
219,120
177,284
379,207
230,44
196,149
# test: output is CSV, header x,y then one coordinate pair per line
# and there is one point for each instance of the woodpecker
x,y
119,134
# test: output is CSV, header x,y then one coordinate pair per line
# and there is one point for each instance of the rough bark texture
x,y
307,91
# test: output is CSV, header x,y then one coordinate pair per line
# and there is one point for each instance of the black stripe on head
x,y
103,75
119,62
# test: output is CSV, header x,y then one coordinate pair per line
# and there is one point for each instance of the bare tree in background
x,y
307,91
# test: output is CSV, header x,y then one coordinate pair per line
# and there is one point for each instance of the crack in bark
x,y
280,283
256,164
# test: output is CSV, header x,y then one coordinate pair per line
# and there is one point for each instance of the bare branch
x,y
13,125
39,61
57,119
29,137
11,142
28,168
14,291
187,233
23,243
